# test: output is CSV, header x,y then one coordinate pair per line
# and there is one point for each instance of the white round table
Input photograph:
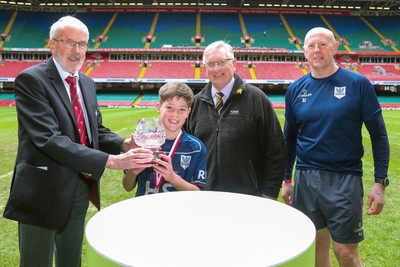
x,y
205,229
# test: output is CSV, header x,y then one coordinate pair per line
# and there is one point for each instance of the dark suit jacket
x,y
50,159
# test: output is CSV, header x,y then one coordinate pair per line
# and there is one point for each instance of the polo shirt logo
x,y
304,95
340,92
185,161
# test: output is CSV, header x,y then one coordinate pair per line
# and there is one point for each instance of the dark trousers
x,y
37,245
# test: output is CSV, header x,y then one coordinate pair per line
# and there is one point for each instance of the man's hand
x,y
287,193
129,143
138,158
376,199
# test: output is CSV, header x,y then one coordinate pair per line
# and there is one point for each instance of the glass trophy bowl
x,y
150,134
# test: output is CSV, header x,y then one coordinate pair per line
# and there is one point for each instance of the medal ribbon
x,y
158,179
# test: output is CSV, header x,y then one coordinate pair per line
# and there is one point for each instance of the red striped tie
x,y
77,107
80,121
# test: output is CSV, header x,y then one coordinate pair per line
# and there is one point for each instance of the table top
x,y
199,228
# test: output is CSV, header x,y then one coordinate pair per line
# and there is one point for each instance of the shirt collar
x,y
226,90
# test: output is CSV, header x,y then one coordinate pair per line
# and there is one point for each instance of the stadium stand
x,y
389,27
5,17
301,24
30,30
243,70
174,32
151,99
186,69
221,27
170,69
7,99
112,69
278,71
278,101
97,24
267,31
11,69
148,101
203,73
390,102
358,34
120,55
379,72
128,30
116,100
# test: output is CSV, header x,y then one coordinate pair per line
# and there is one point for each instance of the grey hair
x,y
218,44
67,21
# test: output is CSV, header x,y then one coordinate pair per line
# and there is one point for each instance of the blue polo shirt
x,y
323,125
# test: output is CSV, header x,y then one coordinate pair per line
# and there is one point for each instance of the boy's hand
x,y
163,166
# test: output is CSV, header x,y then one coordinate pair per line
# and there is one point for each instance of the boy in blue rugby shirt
x,y
183,164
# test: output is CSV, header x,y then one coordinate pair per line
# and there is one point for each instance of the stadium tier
x,y
172,29
133,48
380,72
267,31
388,27
244,71
170,70
149,100
279,71
107,69
221,27
186,70
28,30
117,100
169,29
7,99
10,69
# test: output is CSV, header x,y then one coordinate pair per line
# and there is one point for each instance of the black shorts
x,y
333,200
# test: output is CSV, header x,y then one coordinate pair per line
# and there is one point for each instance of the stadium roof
x,y
356,7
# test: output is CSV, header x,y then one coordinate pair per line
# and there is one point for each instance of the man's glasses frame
x,y
219,63
70,44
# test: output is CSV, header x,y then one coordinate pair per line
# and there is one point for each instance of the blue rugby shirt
x,y
189,162
323,123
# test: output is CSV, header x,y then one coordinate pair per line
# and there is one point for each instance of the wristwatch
x,y
384,181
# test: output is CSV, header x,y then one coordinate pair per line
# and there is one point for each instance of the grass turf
x,y
380,247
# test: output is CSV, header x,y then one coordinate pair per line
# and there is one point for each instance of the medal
x,y
158,178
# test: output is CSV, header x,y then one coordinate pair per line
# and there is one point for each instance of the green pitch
x,y
380,247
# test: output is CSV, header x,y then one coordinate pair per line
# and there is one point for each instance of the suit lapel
x,y
86,89
59,86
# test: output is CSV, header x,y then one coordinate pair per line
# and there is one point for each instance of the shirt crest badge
x,y
185,161
340,92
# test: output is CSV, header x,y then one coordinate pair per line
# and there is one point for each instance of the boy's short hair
x,y
175,89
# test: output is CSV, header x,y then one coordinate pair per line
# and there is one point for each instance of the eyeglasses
x,y
219,63
68,43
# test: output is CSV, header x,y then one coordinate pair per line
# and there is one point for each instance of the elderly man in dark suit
x,y
62,153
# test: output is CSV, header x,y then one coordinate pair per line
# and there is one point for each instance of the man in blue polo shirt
x,y
325,111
